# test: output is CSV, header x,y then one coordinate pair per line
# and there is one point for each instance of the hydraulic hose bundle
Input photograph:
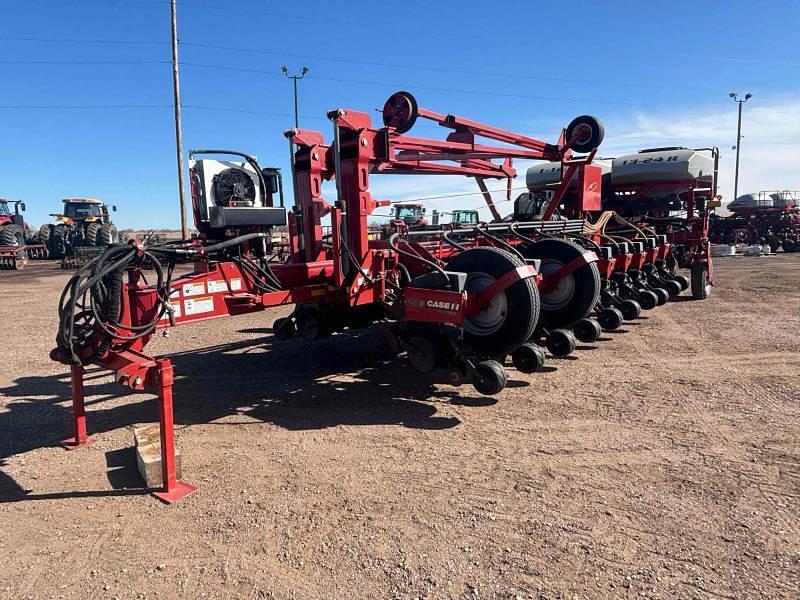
x,y
92,301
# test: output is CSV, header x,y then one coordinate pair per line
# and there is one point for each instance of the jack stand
x,y
174,489
160,374
81,438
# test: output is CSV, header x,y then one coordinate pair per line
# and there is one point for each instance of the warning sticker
x,y
194,289
217,286
222,286
196,306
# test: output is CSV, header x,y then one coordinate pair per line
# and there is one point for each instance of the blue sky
x,y
656,73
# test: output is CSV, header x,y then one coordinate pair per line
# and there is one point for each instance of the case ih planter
x,y
458,299
459,305
453,308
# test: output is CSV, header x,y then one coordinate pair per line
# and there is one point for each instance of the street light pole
x,y
294,79
747,97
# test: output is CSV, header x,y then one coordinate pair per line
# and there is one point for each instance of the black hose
x,y
499,241
453,243
431,264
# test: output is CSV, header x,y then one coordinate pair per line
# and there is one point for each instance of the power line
x,y
418,67
82,106
611,139
342,60
80,41
84,62
420,87
150,106
251,112
740,60
351,81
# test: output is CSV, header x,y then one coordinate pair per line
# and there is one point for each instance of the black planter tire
x,y
684,281
576,294
589,130
528,358
663,295
511,318
630,309
490,378
587,330
610,319
673,288
647,299
561,342
701,288
283,328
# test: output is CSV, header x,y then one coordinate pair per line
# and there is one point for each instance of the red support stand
x,y
174,489
81,438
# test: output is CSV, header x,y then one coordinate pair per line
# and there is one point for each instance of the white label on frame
x,y
194,289
198,306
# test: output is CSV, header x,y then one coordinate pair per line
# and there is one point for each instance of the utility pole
x,y
176,89
294,79
747,97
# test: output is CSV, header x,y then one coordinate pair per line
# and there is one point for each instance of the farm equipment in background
x,y
405,216
18,243
764,218
464,218
81,232
459,306
411,214
458,218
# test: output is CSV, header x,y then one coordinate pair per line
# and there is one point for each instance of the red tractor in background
x,y
18,243
13,229
410,213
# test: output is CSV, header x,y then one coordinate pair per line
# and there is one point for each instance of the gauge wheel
x,y
490,377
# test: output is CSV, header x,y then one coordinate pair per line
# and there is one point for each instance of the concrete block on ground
x,y
148,454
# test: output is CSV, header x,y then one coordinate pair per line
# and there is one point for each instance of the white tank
x,y
546,176
662,164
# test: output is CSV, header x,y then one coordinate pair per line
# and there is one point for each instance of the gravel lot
x,y
661,462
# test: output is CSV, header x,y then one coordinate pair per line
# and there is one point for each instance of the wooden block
x,y
148,454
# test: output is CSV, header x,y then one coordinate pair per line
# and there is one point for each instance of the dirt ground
x,y
661,461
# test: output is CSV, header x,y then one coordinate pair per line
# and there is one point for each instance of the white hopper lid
x,y
662,164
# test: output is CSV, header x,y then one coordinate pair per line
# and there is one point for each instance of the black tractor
x,y
83,222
